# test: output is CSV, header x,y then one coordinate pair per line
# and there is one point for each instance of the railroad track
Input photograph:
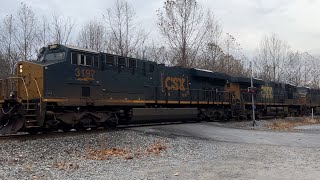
x,y
58,134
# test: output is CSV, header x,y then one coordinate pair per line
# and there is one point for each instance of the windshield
x,y
55,56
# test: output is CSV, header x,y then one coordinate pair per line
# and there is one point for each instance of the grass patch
x,y
287,124
107,153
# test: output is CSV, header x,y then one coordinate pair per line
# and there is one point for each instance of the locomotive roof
x,y
246,80
209,74
81,49
97,52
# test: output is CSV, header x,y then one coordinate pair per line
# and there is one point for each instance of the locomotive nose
x,y
30,80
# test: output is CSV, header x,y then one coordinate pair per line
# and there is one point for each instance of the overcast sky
x,y
295,21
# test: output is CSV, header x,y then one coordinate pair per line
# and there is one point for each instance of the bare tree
x,y
271,54
44,32
314,79
183,26
4,66
10,53
293,70
211,52
92,36
61,29
158,53
25,35
122,33
308,68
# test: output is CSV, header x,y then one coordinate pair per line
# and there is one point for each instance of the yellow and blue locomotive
x,y
70,87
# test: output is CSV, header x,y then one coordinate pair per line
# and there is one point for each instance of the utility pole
x,y
252,97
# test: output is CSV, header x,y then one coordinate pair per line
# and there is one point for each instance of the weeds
x,y
290,124
104,154
65,166
156,148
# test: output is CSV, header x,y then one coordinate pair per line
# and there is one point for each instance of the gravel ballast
x,y
66,157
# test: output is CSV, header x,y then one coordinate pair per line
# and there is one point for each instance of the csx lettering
x,y
175,83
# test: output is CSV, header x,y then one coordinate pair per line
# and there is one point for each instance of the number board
x,y
84,74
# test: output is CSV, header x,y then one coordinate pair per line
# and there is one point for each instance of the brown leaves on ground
x,y
156,148
64,166
104,154
290,124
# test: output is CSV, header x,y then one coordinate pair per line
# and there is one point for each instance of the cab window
x,y
55,56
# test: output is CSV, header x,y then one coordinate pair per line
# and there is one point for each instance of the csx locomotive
x,y
70,87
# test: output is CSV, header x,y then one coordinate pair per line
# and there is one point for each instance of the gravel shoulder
x,y
192,151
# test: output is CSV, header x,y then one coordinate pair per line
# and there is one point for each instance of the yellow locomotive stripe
x,y
54,100
118,101
1,101
67,101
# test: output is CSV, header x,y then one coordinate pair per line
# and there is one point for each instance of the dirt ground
x,y
206,150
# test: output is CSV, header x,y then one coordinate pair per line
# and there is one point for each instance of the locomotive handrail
x,y
25,87
38,89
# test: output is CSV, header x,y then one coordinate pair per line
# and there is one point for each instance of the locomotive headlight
x,y
20,68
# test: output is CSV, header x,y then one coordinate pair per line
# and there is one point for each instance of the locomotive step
x,y
31,121
29,127
30,104
31,115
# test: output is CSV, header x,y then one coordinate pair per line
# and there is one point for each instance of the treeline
x,y
189,36
276,61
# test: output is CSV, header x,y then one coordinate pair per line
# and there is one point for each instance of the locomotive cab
x,y
29,78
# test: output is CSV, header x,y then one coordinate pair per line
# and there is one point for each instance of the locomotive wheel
x,y
217,116
213,116
86,123
111,123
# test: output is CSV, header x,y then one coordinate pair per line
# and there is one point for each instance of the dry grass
x,y
28,167
104,154
65,166
290,124
156,148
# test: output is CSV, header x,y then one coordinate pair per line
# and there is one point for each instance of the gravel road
x,y
189,151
